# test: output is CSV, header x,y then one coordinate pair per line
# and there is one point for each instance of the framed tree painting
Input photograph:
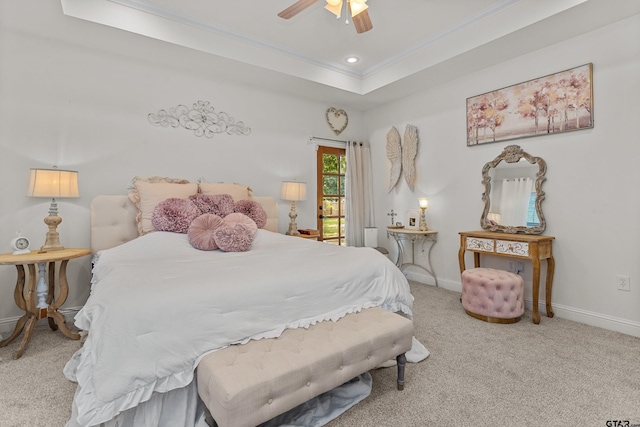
x,y
552,104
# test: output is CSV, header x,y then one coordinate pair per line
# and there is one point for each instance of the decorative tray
x,y
394,227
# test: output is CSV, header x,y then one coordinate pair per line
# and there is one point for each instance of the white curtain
x,y
358,192
514,201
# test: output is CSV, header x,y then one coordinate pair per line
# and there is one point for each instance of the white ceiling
x,y
413,43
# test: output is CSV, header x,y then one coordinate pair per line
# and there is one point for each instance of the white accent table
x,y
412,236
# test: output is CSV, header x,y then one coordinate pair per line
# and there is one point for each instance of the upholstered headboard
x,y
113,220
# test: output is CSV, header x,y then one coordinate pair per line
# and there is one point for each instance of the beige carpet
x,y
557,373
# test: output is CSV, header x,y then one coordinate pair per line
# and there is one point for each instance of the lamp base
x,y
293,226
52,242
422,226
293,229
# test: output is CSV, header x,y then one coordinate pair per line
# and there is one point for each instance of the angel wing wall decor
x,y
394,154
409,153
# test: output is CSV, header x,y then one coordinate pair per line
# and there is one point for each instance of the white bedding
x,y
158,305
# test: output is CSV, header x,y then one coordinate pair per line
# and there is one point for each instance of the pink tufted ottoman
x,y
492,295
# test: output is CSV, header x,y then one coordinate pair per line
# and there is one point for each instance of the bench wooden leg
x,y
402,360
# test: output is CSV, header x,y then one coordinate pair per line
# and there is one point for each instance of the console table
x,y
39,300
522,246
410,235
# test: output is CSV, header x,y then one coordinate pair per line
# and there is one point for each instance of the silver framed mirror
x,y
513,192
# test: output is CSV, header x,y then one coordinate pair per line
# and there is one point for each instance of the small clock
x,y
20,245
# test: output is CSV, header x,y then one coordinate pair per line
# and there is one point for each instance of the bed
x,y
158,306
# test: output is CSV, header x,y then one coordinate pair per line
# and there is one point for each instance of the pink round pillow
x,y
201,232
253,210
236,233
174,215
219,204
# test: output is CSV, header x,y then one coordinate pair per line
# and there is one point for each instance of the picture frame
x,y
413,219
556,103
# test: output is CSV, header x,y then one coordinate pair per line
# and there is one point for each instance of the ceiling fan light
x,y
357,8
335,9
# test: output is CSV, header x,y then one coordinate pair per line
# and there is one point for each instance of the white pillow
x,y
237,191
146,193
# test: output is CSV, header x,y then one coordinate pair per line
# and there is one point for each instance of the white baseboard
x,y
7,325
604,321
599,320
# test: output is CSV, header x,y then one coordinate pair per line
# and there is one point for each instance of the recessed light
x,y
352,59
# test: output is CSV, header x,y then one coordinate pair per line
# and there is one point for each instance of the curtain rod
x,y
311,138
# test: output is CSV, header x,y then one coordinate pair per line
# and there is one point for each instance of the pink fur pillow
x,y
253,210
236,233
218,204
146,193
174,215
201,232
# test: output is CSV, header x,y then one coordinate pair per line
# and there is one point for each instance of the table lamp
x,y
53,183
424,204
293,191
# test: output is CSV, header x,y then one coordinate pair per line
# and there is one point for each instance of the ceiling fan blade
x,y
296,8
362,22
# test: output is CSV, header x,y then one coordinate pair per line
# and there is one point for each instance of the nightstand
x,y
308,236
313,234
37,300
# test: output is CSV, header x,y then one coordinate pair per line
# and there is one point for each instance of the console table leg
x,y
535,285
551,265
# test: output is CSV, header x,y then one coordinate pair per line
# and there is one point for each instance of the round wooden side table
x,y
37,299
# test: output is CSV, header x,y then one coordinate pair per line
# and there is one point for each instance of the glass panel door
x,y
332,165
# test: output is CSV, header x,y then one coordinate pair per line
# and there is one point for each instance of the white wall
x,y
86,109
591,203
78,96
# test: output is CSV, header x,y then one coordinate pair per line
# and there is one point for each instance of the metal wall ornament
x,y
337,120
201,118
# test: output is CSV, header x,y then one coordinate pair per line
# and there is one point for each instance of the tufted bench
x,y
245,385
492,295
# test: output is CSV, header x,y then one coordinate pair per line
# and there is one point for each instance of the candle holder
x,y
424,205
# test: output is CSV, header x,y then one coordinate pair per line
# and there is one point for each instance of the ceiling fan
x,y
357,9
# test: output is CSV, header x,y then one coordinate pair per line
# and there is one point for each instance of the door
x,y
332,166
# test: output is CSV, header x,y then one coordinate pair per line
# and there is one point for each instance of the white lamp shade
x,y
357,8
53,183
334,7
424,203
293,191
495,217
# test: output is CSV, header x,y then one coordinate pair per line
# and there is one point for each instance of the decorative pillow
x,y
201,232
146,193
219,204
237,191
253,210
174,215
236,233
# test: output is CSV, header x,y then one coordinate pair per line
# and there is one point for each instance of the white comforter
x,y
158,305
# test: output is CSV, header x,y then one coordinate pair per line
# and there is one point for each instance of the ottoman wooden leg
x,y
402,360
